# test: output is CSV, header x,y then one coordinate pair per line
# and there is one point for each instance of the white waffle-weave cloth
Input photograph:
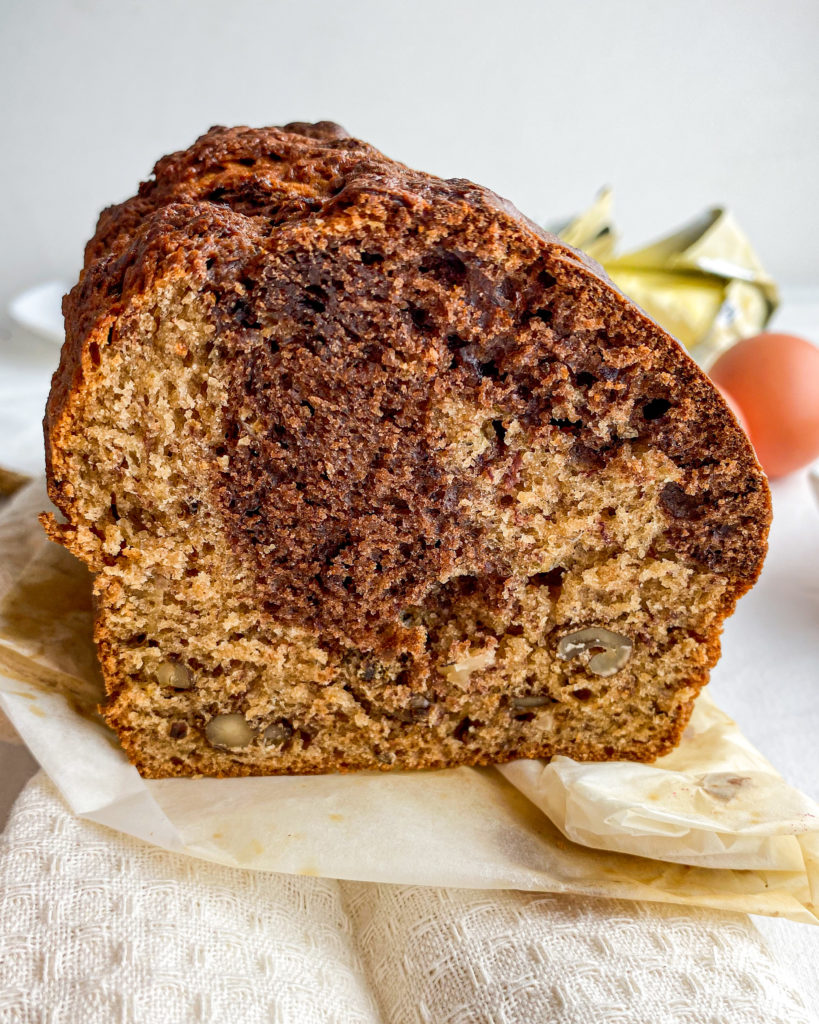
x,y
98,928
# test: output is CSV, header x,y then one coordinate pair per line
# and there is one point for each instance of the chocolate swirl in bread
x,y
354,453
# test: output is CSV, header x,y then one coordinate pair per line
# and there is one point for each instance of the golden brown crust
x,y
245,217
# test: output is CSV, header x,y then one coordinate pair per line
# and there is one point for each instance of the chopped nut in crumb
x,y
613,649
229,731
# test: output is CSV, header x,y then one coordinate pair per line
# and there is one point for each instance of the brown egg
x,y
774,378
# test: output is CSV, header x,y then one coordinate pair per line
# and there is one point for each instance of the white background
x,y
677,105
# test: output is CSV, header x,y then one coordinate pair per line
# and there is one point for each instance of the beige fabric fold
x,y
98,927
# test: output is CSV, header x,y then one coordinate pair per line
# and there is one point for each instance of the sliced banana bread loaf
x,y
373,473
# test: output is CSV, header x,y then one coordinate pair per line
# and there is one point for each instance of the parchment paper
x,y
711,824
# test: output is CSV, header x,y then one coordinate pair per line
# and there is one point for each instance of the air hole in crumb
x,y
527,716
545,279
369,258
94,352
656,408
500,431
247,161
489,369
507,501
563,424
582,694
421,318
462,729
514,630
543,314
446,266
467,585
552,578
586,379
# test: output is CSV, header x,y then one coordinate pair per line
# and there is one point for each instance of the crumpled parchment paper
x,y
711,824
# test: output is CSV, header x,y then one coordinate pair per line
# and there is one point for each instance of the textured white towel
x,y
97,928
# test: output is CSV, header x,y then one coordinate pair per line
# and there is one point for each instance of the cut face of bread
x,y
374,474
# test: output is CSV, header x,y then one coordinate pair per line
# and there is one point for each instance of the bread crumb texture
x,y
372,473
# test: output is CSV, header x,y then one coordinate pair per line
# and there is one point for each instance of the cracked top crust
x,y
218,199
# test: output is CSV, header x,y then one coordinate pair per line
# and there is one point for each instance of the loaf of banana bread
x,y
371,472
